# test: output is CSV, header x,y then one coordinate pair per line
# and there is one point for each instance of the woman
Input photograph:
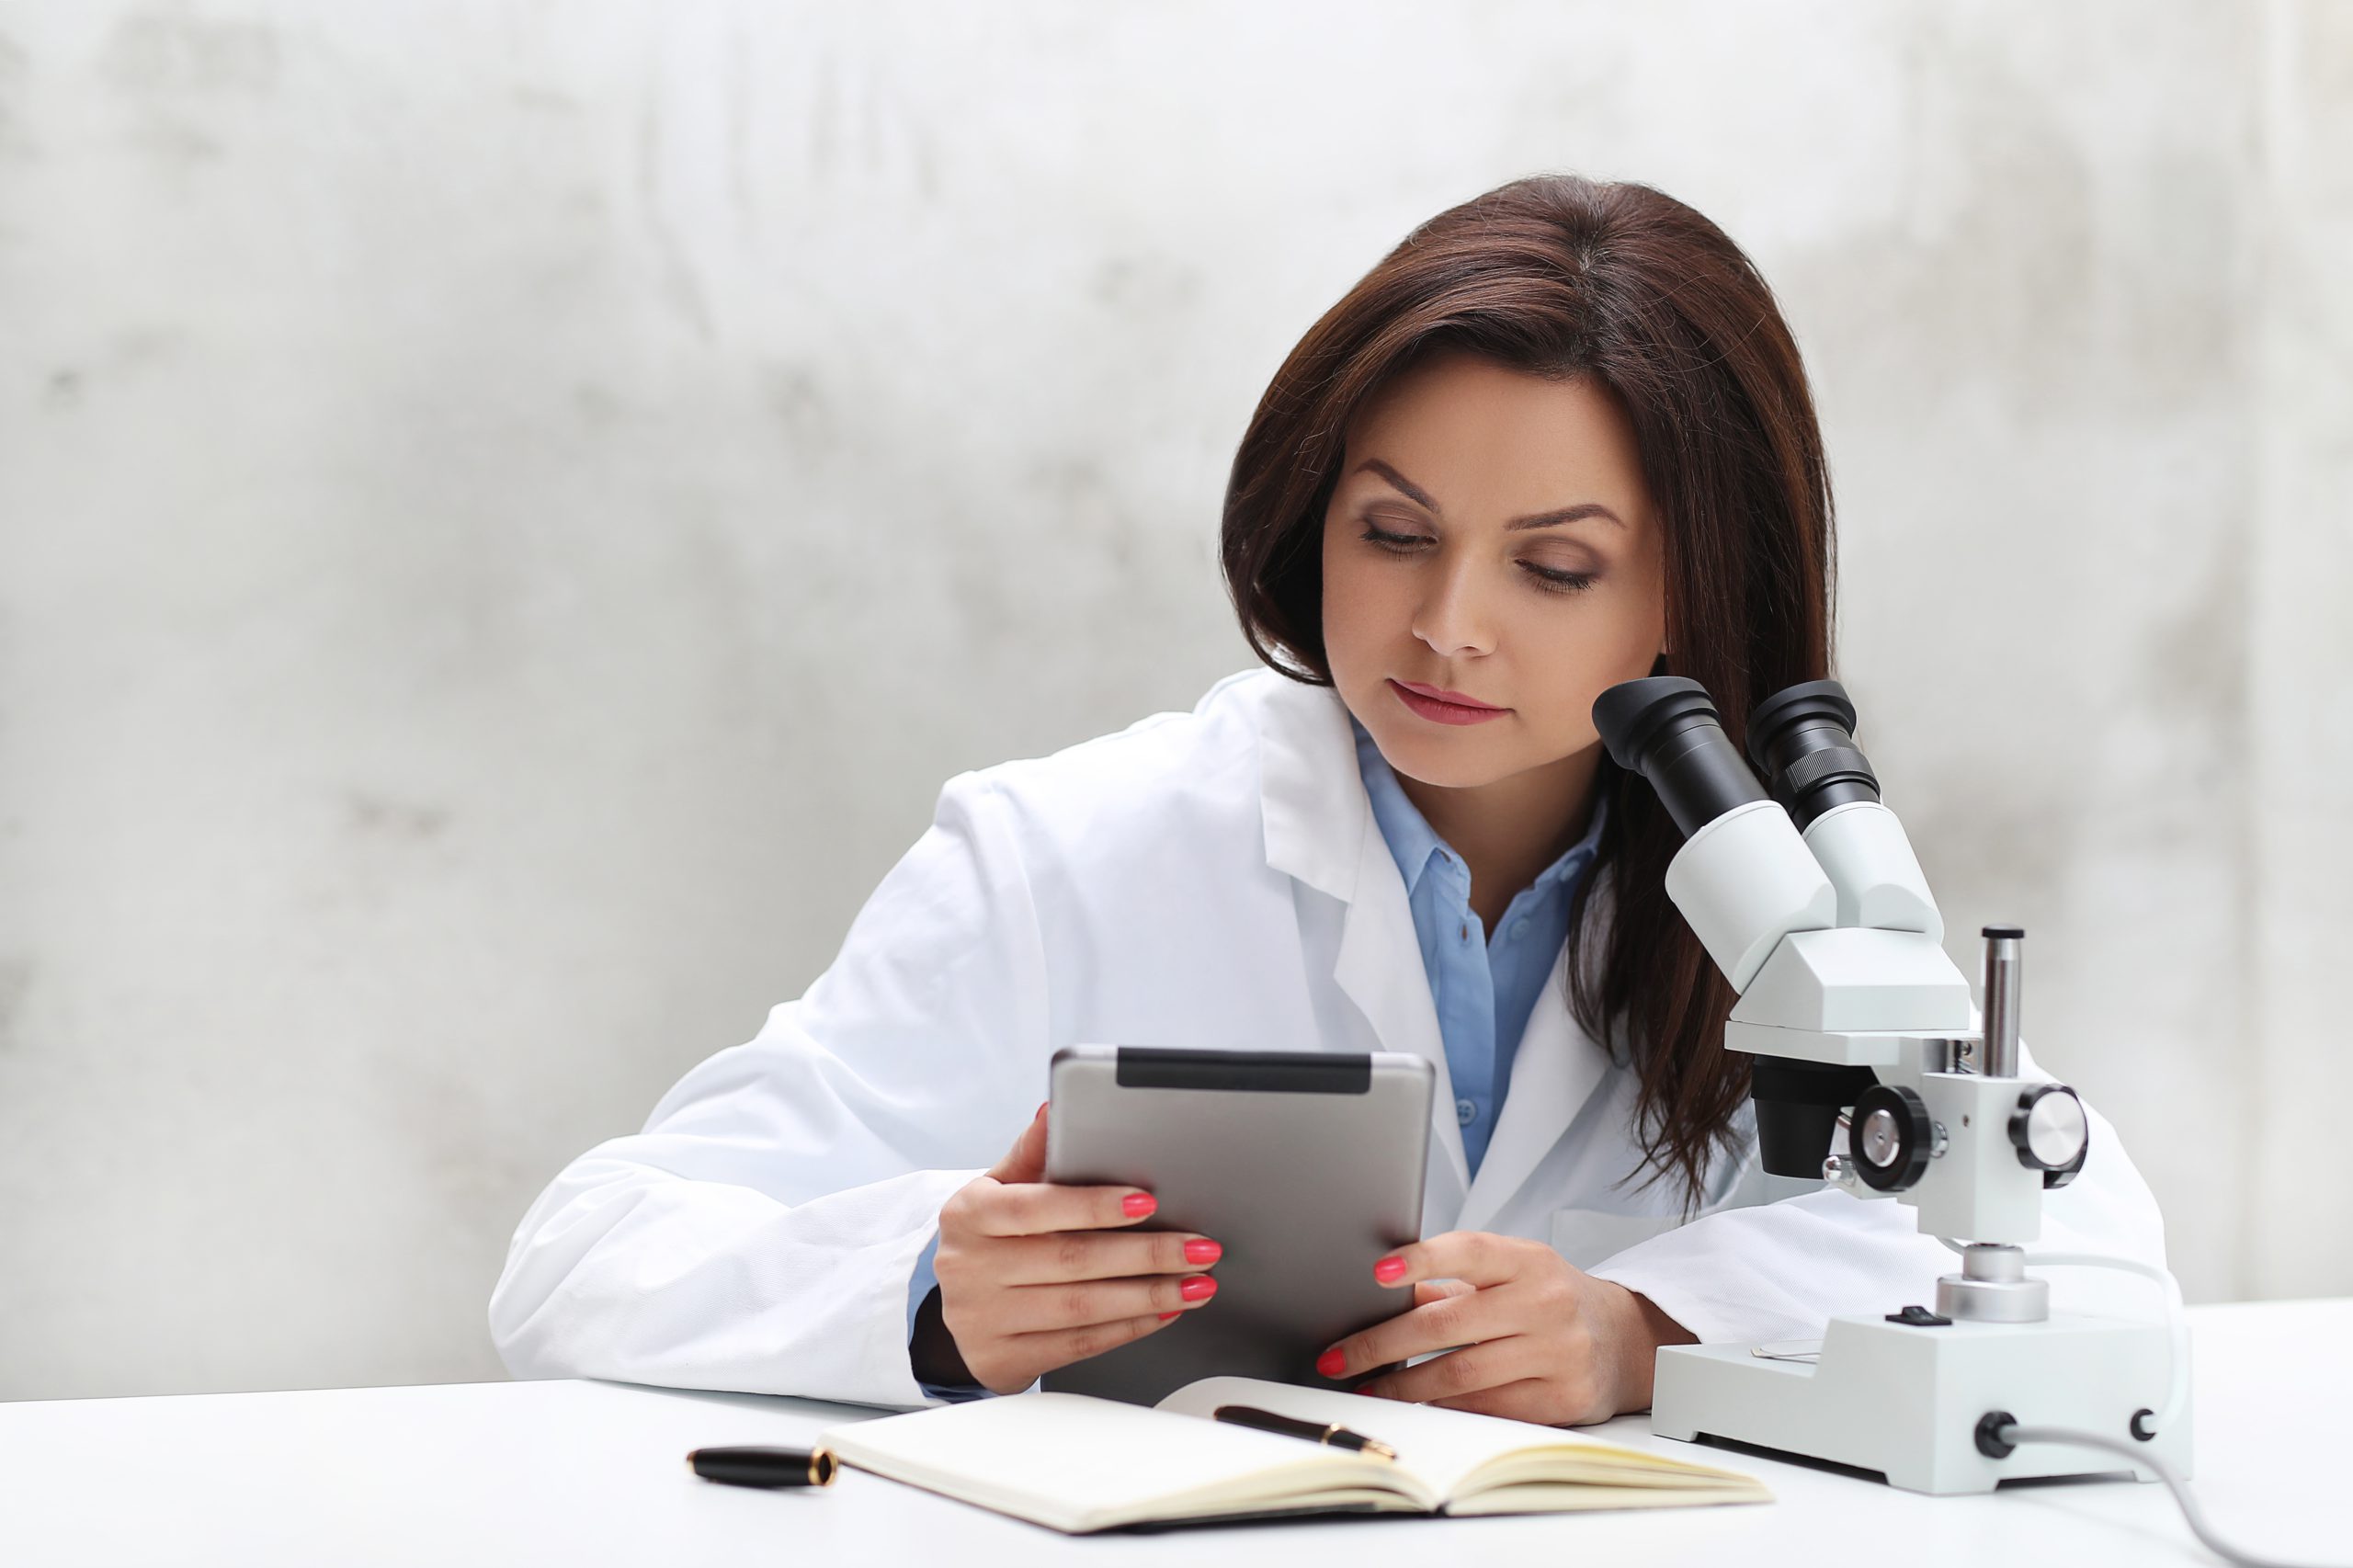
x,y
1559,438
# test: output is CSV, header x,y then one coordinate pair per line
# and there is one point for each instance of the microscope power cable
x,y
2015,1432
2177,1399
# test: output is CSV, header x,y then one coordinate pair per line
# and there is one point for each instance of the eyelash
x,y
1550,581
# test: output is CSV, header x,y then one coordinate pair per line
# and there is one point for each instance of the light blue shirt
x,y
1484,989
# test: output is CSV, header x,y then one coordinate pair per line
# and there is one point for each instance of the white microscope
x,y
1872,1074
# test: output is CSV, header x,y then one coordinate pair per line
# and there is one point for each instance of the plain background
x,y
510,512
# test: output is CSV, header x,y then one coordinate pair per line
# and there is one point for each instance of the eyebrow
x,y
1420,496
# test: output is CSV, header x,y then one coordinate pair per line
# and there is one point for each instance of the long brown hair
x,y
1560,276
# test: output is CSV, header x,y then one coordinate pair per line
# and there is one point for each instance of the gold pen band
x,y
1364,1444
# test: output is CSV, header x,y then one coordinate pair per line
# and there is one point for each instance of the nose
x,y
1453,618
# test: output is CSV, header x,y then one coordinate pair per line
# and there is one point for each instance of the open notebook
x,y
1078,1464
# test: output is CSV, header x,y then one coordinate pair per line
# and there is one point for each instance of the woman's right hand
x,y
1034,1276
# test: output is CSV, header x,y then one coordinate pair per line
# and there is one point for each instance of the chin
x,y
1460,759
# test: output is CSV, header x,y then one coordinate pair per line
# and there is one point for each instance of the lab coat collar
x,y
1312,802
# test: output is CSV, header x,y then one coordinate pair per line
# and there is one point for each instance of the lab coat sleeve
x,y
761,1232
1783,1270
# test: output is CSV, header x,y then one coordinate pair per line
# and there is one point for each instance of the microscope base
x,y
1905,1400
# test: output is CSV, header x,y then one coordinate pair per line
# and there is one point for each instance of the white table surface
x,y
567,1474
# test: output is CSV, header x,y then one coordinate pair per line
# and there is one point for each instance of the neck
x,y
1509,831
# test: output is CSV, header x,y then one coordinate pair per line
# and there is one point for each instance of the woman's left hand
x,y
1539,1340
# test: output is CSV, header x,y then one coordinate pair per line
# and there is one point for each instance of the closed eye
x,y
1401,543
1548,578
1560,582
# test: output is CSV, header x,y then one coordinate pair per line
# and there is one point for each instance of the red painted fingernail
x,y
1203,1250
1388,1269
1139,1204
1199,1288
1166,1316
1331,1363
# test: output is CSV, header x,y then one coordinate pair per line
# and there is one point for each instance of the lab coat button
x,y
1465,1112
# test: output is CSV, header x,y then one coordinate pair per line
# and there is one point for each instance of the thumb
x,y
1026,1161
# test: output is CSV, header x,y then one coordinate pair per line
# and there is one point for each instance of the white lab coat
x,y
1211,879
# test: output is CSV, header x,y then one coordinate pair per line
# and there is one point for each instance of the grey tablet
x,y
1305,1166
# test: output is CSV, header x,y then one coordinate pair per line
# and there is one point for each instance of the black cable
x,y
2015,1433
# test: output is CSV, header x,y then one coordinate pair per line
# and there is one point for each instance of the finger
x,y
1059,1348
1040,1309
1480,1257
1026,1161
1456,1373
1103,1255
1462,1318
1428,1290
1034,1208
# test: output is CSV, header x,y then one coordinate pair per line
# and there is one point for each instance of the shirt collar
x,y
1414,843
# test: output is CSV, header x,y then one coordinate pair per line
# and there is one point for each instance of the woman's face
x,y
1489,540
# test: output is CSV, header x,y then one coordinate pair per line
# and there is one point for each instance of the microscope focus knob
x,y
2050,1133
1891,1137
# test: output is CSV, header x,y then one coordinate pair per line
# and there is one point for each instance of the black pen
x,y
1334,1436
765,1466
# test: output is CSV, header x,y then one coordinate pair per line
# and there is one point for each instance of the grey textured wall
x,y
509,513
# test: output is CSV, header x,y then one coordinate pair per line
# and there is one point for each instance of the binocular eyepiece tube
x,y
1743,880
1803,741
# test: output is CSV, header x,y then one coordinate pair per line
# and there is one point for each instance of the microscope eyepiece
x,y
1803,741
1666,729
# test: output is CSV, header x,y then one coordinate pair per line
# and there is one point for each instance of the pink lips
x,y
1443,706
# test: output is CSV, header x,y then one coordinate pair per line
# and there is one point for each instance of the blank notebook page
x,y
1071,1455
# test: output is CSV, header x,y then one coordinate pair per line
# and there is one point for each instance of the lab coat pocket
x,y
1587,1236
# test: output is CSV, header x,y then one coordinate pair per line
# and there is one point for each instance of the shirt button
x,y
1465,1112
1519,927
